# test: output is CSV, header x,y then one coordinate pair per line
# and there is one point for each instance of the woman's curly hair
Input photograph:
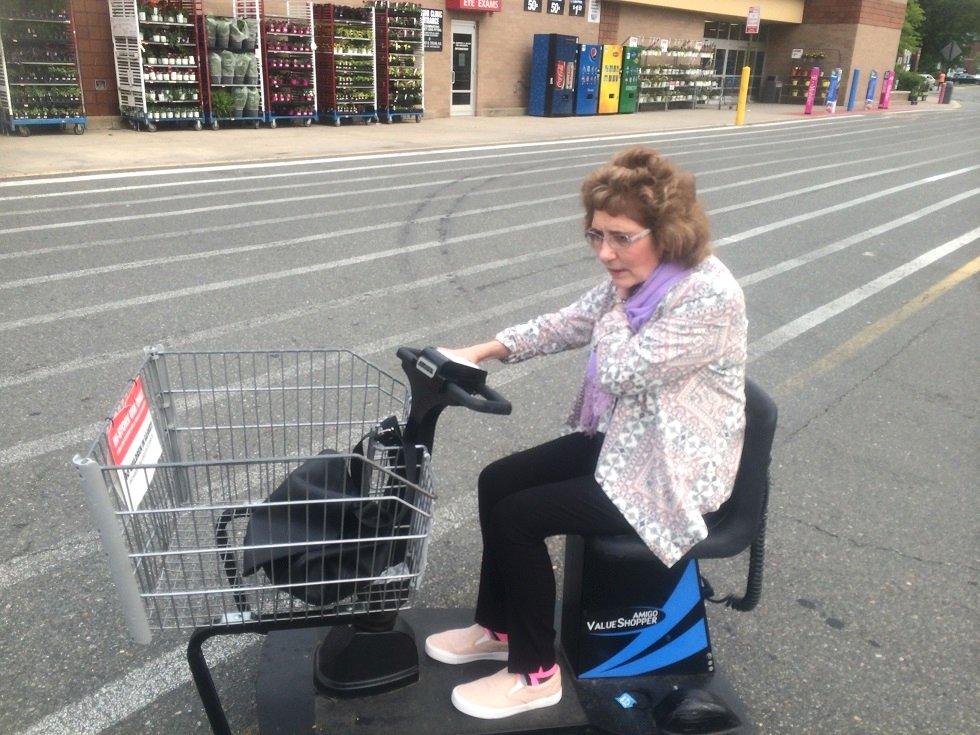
x,y
641,184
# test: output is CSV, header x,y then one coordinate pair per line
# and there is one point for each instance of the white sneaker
x,y
504,694
462,645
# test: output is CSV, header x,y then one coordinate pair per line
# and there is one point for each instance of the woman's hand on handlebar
x,y
480,352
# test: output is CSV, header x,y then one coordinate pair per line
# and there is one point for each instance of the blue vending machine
x,y
552,91
587,83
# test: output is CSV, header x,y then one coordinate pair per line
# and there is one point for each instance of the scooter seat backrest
x,y
733,527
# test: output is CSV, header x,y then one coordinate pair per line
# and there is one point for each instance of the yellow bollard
x,y
743,94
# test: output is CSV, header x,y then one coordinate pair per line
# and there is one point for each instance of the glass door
x,y
464,68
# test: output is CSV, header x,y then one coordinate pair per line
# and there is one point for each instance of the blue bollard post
x,y
852,97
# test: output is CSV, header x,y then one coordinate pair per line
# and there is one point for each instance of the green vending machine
x,y
630,85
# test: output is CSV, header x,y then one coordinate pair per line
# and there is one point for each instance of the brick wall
x,y
642,21
609,23
853,46
861,33
879,13
503,56
95,56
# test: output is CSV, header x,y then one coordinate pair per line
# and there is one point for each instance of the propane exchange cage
x,y
192,454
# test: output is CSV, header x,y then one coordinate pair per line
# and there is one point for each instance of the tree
x,y
945,21
911,39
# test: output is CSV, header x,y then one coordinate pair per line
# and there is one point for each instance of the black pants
x,y
524,498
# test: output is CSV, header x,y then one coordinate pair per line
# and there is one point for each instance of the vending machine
x,y
587,83
552,91
612,72
630,86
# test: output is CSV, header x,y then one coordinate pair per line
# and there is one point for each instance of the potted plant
x,y
222,103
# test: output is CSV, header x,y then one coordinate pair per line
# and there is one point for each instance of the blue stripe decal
x,y
690,642
682,600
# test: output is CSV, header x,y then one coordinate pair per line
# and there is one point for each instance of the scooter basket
x,y
210,450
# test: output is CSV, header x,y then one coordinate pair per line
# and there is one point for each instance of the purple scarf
x,y
639,308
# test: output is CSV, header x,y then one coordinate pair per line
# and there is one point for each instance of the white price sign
x,y
133,441
595,11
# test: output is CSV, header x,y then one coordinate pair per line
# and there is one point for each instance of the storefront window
x,y
719,29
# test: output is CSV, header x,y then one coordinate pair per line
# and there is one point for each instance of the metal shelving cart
x,y
236,92
290,67
674,72
346,63
40,84
401,60
158,52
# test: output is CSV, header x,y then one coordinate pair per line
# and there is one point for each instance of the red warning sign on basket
x,y
133,441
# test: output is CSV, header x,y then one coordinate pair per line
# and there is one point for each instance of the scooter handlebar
x,y
489,402
482,399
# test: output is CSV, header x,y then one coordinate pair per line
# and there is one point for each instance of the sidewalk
x,y
104,149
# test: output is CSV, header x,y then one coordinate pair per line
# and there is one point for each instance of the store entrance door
x,y
464,68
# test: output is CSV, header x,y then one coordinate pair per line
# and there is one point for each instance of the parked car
x,y
930,81
964,78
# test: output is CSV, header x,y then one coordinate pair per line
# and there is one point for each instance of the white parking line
x,y
334,234
806,216
252,205
567,144
39,319
127,695
596,153
916,216
151,237
805,323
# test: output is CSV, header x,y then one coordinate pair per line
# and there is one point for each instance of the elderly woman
x,y
656,431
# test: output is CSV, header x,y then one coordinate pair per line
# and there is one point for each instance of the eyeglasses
x,y
618,240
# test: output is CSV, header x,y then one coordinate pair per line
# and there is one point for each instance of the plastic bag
x,y
241,99
241,67
252,103
237,35
222,30
228,60
252,42
252,74
212,30
214,59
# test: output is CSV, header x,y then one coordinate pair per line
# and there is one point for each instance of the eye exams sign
x,y
133,441
484,6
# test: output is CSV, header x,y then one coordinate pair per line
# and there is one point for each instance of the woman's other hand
x,y
479,353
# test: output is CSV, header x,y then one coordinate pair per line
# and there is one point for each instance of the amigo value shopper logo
x,y
623,622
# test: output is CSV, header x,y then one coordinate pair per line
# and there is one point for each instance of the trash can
x,y
946,93
771,89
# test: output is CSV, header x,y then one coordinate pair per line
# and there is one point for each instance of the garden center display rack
x,y
345,60
158,50
674,72
799,86
39,79
401,60
233,66
290,67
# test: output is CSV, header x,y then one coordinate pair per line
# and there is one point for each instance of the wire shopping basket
x,y
254,487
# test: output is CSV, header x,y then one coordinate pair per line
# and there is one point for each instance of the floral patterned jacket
x,y
674,439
